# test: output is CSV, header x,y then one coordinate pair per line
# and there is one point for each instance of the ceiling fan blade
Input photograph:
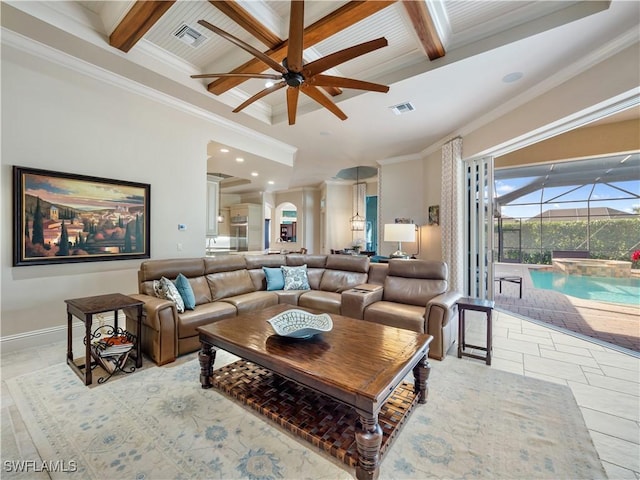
x,y
342,82
292,104
267,76
296,29
259,95
334,59
322,99
245,46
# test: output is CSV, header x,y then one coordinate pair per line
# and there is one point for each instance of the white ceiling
x,y
484,41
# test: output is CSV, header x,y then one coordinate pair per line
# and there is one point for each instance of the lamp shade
x,y
399,232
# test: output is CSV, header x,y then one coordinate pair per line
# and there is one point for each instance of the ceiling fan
x,y
295,74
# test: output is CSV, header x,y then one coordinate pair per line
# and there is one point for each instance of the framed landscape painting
x,y
66,218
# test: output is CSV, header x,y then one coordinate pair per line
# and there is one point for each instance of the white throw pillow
x,y
164,288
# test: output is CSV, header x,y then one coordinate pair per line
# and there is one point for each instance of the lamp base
x,y
399,254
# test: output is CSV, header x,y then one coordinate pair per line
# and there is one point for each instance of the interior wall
x,y
311,225
402,197
338,199
56,119
430,235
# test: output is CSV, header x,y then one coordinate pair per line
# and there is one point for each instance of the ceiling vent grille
x,y
189,35
402,108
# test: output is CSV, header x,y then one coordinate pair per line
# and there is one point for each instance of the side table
x,y
84,309
486,306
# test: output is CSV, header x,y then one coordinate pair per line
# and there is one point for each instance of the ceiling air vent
x,y
402,108
189,35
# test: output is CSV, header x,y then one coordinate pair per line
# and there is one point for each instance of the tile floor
x,y
605,381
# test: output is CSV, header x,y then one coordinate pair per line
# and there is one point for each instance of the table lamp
x,y
399,232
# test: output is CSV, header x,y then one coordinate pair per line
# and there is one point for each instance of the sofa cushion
x,y
203,315
224,263
295,278
397,315
349,263
311,261
252,301
201,289
290,297
327,302
186,292
434,270
228,284
275,278
164,288
412,291
339,280
259,261
170,268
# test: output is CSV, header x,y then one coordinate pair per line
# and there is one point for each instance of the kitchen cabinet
x,y
246,221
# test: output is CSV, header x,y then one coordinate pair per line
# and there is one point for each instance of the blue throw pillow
x,y
186,292
275,278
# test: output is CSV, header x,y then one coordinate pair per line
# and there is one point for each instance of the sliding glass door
x,y
478,205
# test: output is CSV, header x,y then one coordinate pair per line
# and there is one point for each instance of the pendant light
x,y
357,222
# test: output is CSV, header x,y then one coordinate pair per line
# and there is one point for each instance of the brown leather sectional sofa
x,y
411,294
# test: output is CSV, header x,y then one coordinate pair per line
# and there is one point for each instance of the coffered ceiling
x,y
453,61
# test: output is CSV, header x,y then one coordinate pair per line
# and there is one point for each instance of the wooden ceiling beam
x,y
347,15
138,20
425,28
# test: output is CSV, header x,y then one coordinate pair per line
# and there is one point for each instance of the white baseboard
x,y
47,336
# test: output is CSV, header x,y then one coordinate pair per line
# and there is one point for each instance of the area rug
x,y
160,424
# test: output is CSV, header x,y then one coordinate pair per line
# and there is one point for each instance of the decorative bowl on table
x,y
300,324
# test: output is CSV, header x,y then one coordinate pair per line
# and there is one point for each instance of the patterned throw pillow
x,y
164,288
186,292
295,278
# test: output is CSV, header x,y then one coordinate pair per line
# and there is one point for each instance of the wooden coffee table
x,y
358,363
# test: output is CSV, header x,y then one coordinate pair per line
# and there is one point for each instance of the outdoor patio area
x,y
615,324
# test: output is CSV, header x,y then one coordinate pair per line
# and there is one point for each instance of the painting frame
x,y
434,215
70,218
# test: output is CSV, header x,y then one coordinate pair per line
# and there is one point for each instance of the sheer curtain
x,y
451,213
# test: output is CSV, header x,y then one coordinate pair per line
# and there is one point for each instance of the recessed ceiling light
x,y
224,150
271,182
512,77
254,174
239,159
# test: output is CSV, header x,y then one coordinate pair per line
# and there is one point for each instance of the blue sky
x,y
602,195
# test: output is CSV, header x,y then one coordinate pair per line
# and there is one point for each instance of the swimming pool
x,y
601,289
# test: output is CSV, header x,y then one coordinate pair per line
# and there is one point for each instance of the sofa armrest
x,y
159,328
442,306
355,300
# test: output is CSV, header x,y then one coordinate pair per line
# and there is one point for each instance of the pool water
x,y
601,289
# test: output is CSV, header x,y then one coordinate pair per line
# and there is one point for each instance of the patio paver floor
x,y
612,323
